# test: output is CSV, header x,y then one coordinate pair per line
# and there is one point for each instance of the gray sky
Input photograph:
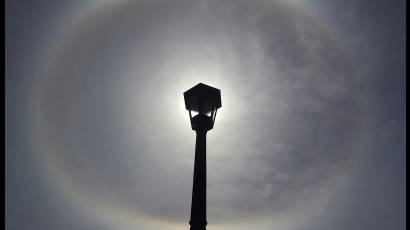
x,y
311,133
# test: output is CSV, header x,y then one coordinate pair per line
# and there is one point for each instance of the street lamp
x,y
204,100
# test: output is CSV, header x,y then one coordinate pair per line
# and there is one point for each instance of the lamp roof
x,y
209,98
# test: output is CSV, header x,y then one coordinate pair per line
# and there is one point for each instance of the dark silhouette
x,y
205,100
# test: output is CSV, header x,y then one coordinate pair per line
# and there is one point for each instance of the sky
x,y
311,133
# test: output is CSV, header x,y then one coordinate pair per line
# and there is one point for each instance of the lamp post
x,y
204,100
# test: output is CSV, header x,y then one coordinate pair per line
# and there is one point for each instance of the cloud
x,y
107,112
281,85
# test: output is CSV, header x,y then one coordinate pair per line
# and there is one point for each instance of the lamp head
x,y
205,101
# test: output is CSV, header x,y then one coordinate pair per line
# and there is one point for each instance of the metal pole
x,y
198,207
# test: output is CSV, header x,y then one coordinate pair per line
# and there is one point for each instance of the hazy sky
x,y
310,136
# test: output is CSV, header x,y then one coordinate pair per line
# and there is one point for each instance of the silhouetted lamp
x,y
205,101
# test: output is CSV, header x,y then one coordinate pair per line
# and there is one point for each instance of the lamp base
x,y
202,123
197,225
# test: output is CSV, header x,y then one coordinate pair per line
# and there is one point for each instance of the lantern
x,y
202,102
